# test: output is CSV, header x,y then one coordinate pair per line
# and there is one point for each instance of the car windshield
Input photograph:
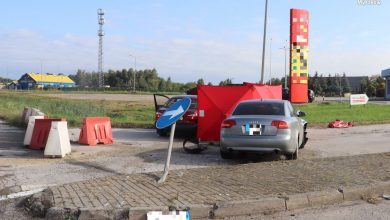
x,y
171,101
259,108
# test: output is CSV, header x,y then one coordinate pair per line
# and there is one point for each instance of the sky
x,y
191,39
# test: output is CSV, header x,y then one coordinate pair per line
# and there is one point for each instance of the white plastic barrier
x,y
27,116
30,128
58,143
32,112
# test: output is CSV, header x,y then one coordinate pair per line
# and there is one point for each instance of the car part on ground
x,y
264,126
339,124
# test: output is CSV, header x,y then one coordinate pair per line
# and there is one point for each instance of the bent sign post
x,y
358,99
169,117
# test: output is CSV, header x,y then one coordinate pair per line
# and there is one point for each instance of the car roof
x,y
183,96
264,101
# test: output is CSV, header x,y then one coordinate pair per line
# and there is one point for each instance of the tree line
x,y
145,80
339,85
5,80
149,80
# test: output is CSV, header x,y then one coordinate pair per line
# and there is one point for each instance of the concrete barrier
x,y
58,143
30,128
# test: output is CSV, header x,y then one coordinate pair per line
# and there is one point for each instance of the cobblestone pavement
x,y
7,147
224,183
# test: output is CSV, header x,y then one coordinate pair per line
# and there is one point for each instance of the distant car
x,y
187,124
286,95
311,96
263,126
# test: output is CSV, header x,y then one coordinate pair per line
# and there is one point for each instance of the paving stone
x,y
230,183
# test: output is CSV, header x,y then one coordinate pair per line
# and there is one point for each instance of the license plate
x,y
251,129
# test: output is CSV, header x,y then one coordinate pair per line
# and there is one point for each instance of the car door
x,y
159,101
299,121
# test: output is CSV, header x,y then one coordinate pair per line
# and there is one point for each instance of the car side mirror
x,y
300,113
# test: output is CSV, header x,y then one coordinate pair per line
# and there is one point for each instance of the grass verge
x,y
320,114
140,114
123,114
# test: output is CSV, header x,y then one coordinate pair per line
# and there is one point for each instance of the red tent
x,y
215,104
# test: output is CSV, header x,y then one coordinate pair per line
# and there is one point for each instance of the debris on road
x,y
339,124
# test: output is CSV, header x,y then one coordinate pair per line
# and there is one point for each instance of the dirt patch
x,y
144,99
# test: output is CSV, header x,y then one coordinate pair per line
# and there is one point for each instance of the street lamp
x,y
135,70
270,61
264,36
41,74
285,65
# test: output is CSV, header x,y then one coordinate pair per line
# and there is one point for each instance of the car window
x,y
171,101
291,109
259,108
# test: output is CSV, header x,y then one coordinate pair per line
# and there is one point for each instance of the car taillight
x,y
280,124
192,116
228,123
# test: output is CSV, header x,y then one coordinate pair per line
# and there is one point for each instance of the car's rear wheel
x,y
162,132
304,138
226,154
295,155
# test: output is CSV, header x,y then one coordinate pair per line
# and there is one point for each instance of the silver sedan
x,y
263,126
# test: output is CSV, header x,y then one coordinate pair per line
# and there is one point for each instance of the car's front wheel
x,y
226,154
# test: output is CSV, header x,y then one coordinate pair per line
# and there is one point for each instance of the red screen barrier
x,y
215,104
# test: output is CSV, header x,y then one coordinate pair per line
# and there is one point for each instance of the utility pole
x,y
270,61
264,36
41,76
285,64
135,71
100,13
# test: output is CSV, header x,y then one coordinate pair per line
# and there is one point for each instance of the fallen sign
x,y
169,117
358,99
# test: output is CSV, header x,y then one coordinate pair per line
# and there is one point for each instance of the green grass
x,y
123,114
322,113
136,114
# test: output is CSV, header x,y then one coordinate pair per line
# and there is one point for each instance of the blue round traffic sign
x,y
173,113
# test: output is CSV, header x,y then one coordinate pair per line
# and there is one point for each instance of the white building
x,y
386,76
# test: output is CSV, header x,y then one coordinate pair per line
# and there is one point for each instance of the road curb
x,y
219,210
246,207
139,213
322,198
297,201
357,193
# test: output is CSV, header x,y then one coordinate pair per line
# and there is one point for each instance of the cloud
x,y
211,56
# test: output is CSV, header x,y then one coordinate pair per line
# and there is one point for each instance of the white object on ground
x,y
58,143
30,128
21,194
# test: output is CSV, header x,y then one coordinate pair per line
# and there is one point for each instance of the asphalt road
x,y
142,150
358,210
